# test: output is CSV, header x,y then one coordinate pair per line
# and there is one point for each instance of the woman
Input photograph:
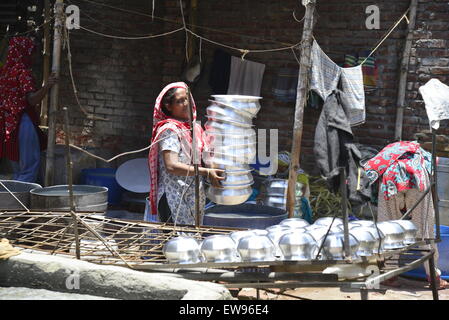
x,y
21,140
172,192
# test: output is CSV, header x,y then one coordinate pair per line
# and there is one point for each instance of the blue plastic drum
x,y
104,177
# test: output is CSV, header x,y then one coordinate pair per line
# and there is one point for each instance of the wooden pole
x,y
404,70
49,168
301,99
69,166
195,163
46,70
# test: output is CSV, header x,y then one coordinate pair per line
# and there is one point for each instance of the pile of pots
x,y
232,146
294,239
274,194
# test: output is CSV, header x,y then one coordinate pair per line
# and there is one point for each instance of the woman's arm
x,y
34,98
177,168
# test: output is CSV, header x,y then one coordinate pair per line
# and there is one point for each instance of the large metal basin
x,y
248,215
86,198
21,191
244,104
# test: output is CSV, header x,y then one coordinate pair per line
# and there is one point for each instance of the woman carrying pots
x,y
172,182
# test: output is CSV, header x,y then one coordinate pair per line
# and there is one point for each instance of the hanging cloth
x,y
246,77
352,86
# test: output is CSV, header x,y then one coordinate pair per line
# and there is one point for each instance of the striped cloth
x,y
352,85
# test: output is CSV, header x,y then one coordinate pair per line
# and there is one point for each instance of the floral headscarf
x,y
161,123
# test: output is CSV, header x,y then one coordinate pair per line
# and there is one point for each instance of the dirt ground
x,y
409,289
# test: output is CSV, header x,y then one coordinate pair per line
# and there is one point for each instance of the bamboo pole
x,y
301,99
404,70
49,168
46,70
69,166
195,162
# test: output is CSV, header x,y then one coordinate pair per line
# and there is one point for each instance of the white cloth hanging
x,y
352,86
436,98
245,77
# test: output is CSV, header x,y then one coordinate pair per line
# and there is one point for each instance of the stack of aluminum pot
x,y
232,145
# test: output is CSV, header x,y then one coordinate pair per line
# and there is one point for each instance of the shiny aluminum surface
x,y
219,248
294,223
333,248
243,137
379,236
245,104
298,246
326,221
275,233
237,178
275,201
411,231
237,235
182,250
218,110
367,242
229,196
256,248
225,125
394,235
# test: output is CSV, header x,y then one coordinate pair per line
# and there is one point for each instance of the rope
x,y
131,38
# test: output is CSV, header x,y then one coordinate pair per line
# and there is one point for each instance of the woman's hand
x,y
215,176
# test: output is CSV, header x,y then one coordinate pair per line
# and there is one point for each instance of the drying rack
x,y
138,245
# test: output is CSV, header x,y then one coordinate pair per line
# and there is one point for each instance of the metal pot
x,y
333,248
366,240
237,178
256,248
244,156
298,246
379,236
182,250
294,223
219,248
244,104
275,201
410,231
275,233
362,223
243,137
218,162
229,196
394,235
219,110
21,191
237,235
326,221
225,125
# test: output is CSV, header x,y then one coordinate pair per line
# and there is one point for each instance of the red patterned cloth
x,y
402,165
162,123
16,81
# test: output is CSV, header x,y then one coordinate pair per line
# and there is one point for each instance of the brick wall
x,y
121,79
116,79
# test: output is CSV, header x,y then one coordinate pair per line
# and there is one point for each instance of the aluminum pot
x,y
218,162
243,104
326,221
394,235
275,201
182,250
247,147
362,223
366,240
333,248
256,248
219,248
226,125
219,110
411,231
237,235
243,137
237,178
294,223
298,246
229,196
379,236
275,233
244,156
259,232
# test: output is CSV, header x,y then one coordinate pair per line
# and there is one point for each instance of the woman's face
x,y
179,108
